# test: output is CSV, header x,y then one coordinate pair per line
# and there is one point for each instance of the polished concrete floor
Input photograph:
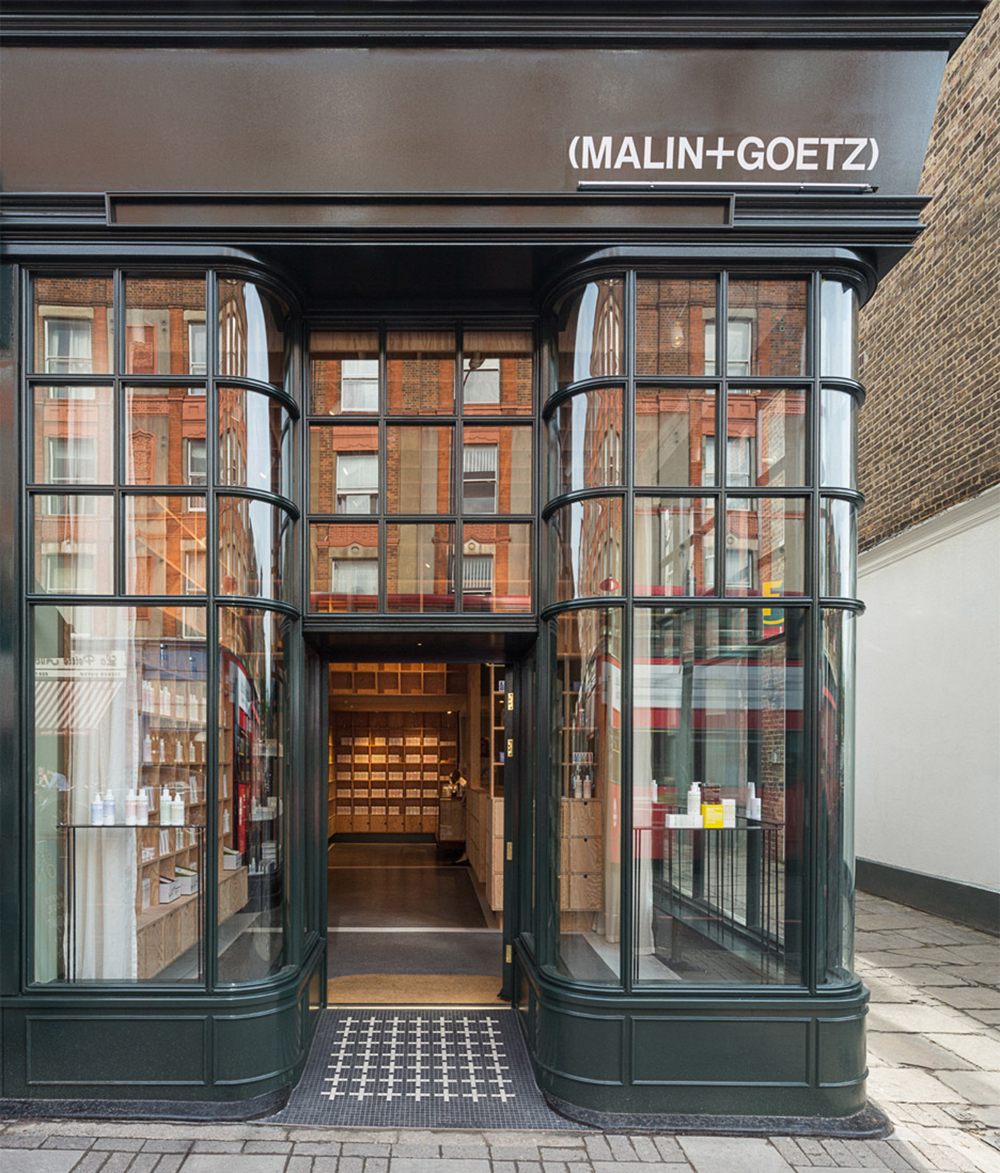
x,y
396,908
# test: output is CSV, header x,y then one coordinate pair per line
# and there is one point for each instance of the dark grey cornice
x,y
940,24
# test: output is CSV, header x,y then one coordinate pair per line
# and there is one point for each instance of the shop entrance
x,y
416,763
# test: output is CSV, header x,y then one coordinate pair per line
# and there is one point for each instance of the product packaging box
x,y
188,880
713,814
684,822
729,812
230,859
170,889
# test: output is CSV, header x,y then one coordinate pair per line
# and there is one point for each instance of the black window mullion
x,y
628,933
213,656
721,428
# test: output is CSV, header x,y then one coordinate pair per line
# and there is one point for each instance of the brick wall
x,y
930,338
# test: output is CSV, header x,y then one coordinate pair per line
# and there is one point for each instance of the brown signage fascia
x,y
899,23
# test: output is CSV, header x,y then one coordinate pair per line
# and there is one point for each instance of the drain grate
x,y
419,1069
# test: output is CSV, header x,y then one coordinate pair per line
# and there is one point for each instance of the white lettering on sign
x,y
589,152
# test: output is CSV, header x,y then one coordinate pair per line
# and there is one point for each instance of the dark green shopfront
x,y
412,334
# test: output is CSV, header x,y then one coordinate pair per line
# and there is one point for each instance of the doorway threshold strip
x,y
398,1068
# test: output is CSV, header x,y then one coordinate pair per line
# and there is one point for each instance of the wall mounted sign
x,y
460,122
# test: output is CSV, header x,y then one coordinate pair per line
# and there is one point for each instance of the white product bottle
x,y
131,801
694,799
163,750
192,707
751,797
109,809
192,753
97,810
164,700
147,749
166,803
142,808
178,750
178,809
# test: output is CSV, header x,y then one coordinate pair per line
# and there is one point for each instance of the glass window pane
x,y
836,789
164,545
165,325
255,544
164,436
421,372
496,567
419,567
119,722
767,437
670,337
671,428
343,469
586,549
585,442
74,325
253,754
74,537
839,555
343,371
496,470
497,372
254,332
766,546
586,741
255,441
74,434
591,331
838,438
674,546
717,720
838,331
343,567
418,469
767,328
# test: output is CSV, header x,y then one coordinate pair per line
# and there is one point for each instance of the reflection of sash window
x,y
477,574
68,347
479,478
357,483
354,576
359,384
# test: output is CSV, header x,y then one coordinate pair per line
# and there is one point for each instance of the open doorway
x,y
416,760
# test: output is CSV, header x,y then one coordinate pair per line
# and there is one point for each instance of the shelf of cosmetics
x,y
144,807
702,815
180,704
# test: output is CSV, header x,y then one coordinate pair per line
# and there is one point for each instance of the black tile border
x,y
203,1111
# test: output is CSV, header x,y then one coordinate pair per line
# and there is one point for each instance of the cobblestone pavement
x,y
934,1055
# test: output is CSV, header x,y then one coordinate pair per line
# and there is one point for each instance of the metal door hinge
x,y
510,702
510,850
510,747
509,955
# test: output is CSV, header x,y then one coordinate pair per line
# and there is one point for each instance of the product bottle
x,y
163,750
147,749
751,795
109,809
694,799
178,809
131,801
97,810
142,808
178,750
165,807
192,707
192,755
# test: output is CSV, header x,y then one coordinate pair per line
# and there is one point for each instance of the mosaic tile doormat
x,y
419,1069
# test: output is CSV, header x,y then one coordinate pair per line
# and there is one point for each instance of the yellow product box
x,y
712,814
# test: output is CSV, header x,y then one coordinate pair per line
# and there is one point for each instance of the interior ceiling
x,y
459,647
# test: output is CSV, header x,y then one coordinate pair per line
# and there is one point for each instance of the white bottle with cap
x,y
142,808
97,810
109,809
131,801
166,808
178,809
694,799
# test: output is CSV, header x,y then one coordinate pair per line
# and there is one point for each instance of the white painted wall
x,y
928,726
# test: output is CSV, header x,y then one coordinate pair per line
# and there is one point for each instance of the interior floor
x,y
407,926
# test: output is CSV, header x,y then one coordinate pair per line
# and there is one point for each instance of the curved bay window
x,y
163,535
700,599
